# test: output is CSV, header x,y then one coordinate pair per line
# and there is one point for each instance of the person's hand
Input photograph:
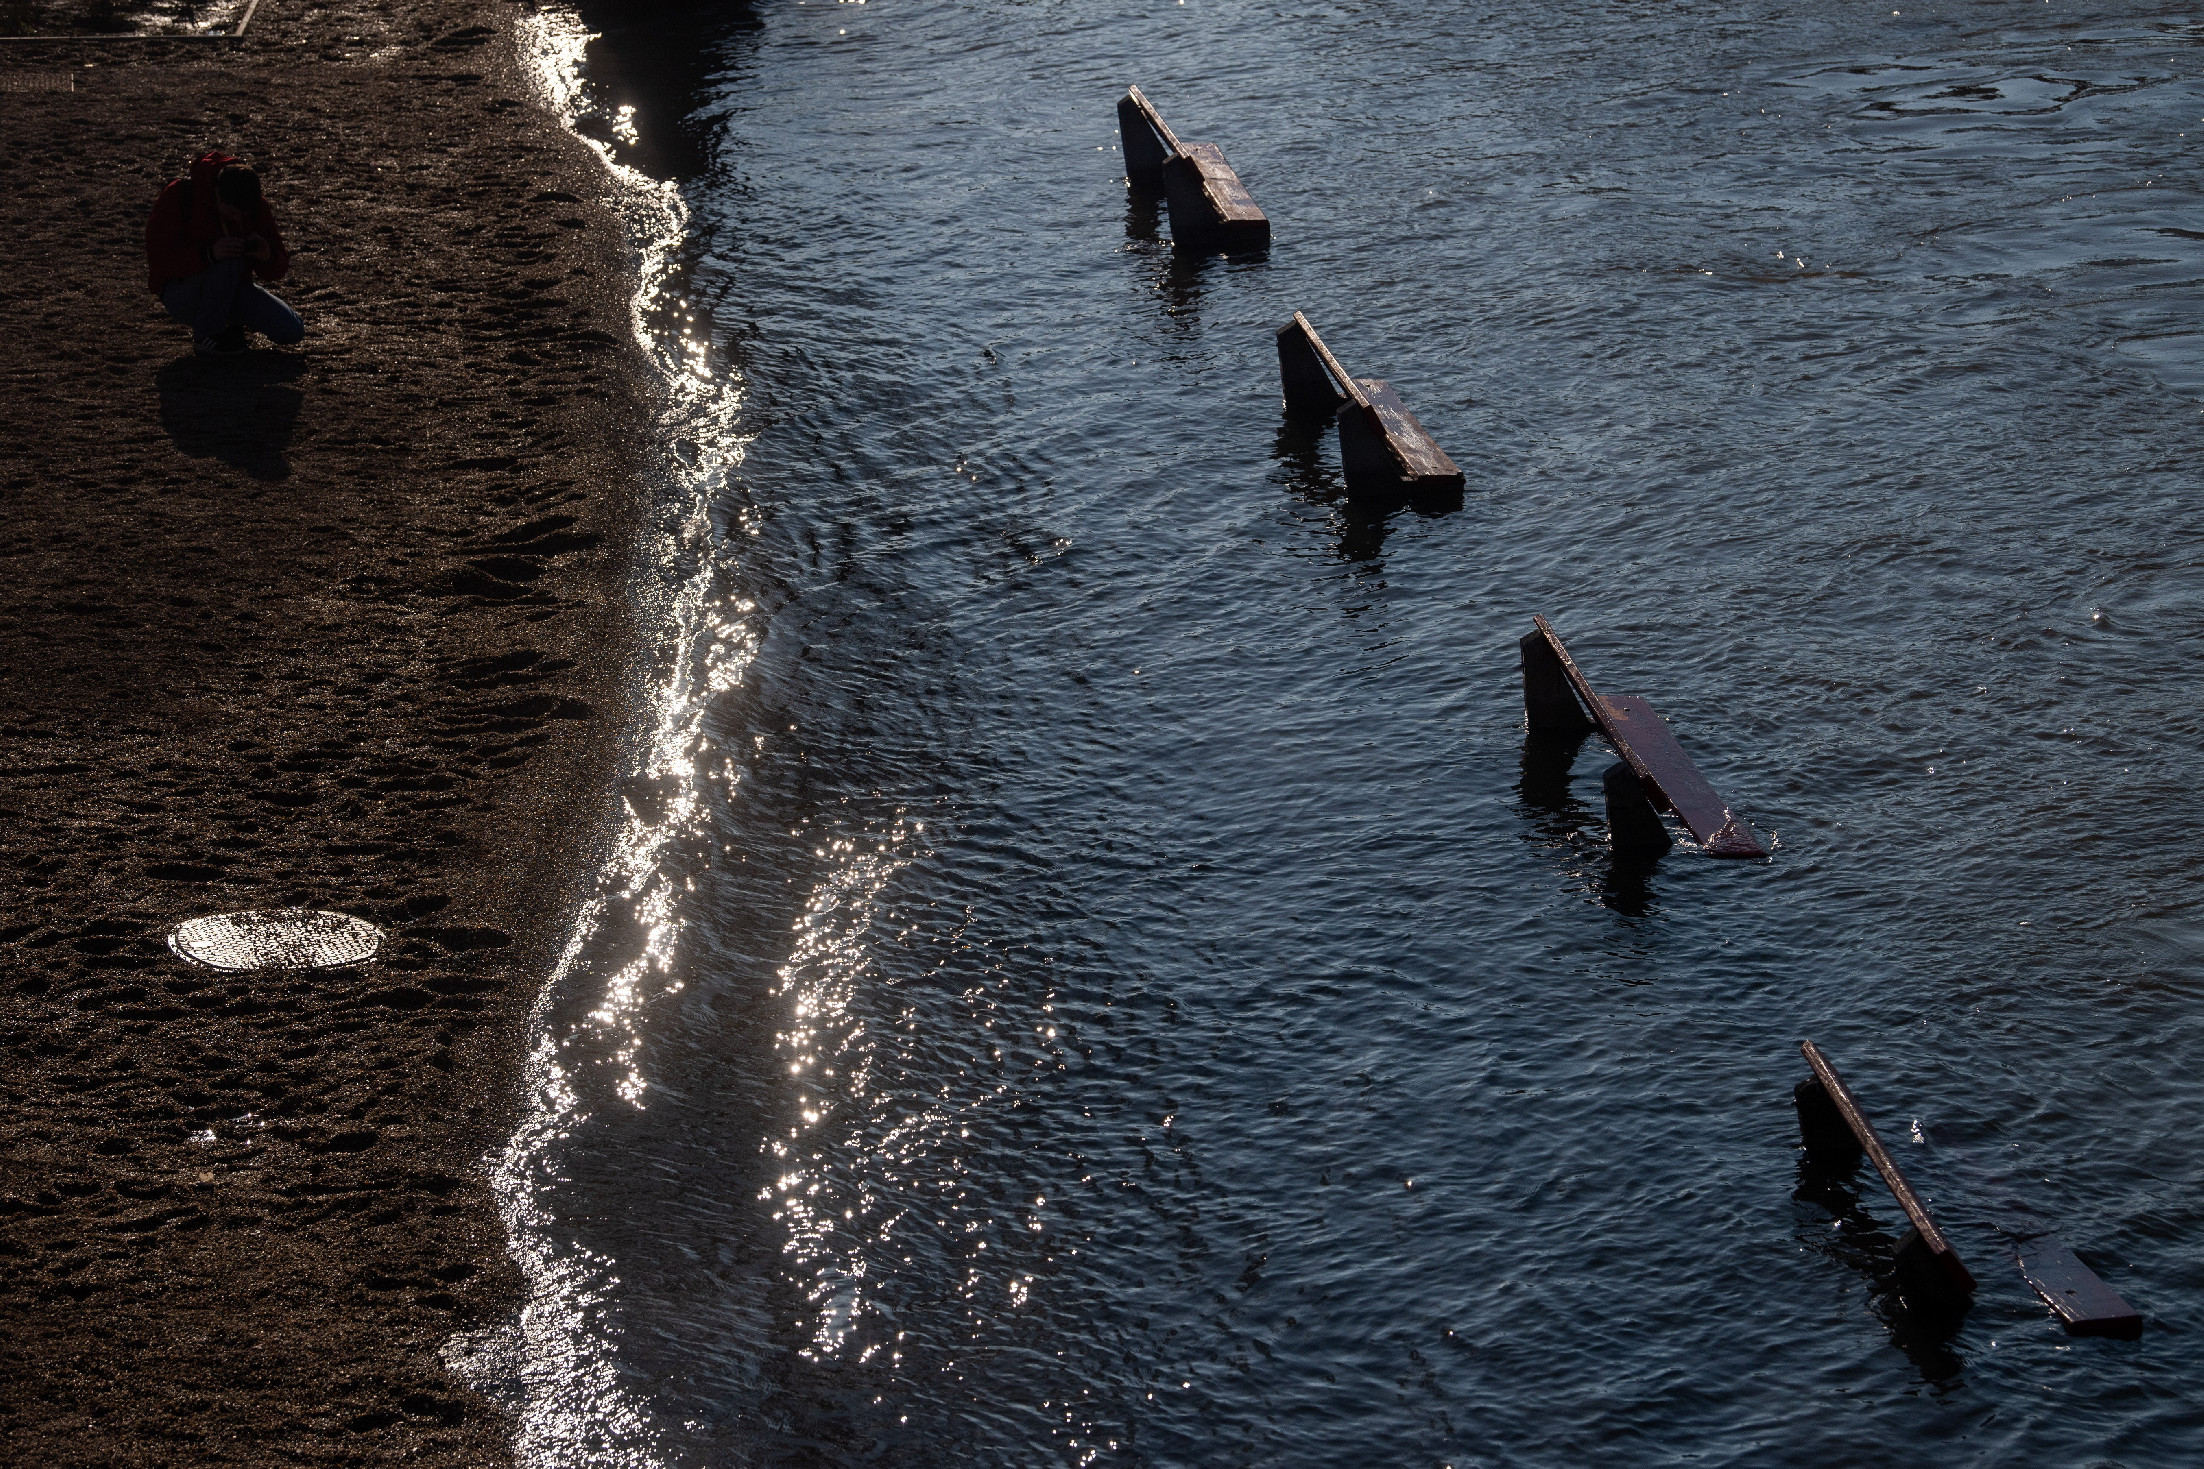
x,y
229,247
257,248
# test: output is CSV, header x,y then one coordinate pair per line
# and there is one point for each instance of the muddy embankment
x,y
338,626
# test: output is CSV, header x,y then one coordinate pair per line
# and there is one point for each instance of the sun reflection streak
x,y
828,1046
553,1367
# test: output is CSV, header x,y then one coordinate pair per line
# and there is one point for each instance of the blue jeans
x,y
225,295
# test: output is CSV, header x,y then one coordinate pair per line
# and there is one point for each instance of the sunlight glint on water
x,y
553,1368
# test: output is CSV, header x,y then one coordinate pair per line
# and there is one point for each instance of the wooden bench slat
x,y
1422,461
2083,1303
1646,741
1154,119
1227,195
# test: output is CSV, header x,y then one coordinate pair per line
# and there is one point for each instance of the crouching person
x,y
211,233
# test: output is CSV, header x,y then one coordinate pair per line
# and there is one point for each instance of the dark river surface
x,y
1095,974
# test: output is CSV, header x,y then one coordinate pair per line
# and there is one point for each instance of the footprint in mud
x,y
459,940
523,666
552,535
472,581
509,568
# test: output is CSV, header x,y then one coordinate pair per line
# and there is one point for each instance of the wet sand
x,y
337,626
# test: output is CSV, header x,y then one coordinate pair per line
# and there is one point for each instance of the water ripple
x,y
1096,973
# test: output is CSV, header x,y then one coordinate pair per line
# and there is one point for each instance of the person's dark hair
x,y
238,187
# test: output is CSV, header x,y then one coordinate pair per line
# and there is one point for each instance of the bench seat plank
x,y
1228,197
2084,1303
1422,462
1644,739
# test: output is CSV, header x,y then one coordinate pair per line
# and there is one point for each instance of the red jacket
x,y
176,246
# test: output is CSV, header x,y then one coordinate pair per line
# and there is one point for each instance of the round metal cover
x,y
277,938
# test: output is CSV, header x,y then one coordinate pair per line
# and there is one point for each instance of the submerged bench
x,y
1382,447
1836,1131
1655,773
1210,208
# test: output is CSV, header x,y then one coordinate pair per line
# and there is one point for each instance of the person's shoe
x,y
228,344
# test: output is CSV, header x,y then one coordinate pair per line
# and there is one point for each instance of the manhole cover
x,y
38,81
277,938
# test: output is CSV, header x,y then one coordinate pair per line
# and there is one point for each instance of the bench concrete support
x,y
1828,1137
1548,701
1141,132
1385,450
1925,1282
1308,372
1635,828
1211,210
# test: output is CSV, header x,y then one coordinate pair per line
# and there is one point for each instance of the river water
x,y
1094,973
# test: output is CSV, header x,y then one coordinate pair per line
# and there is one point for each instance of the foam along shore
x,y
337,628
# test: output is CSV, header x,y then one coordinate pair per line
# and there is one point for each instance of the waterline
x,y
553,1366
